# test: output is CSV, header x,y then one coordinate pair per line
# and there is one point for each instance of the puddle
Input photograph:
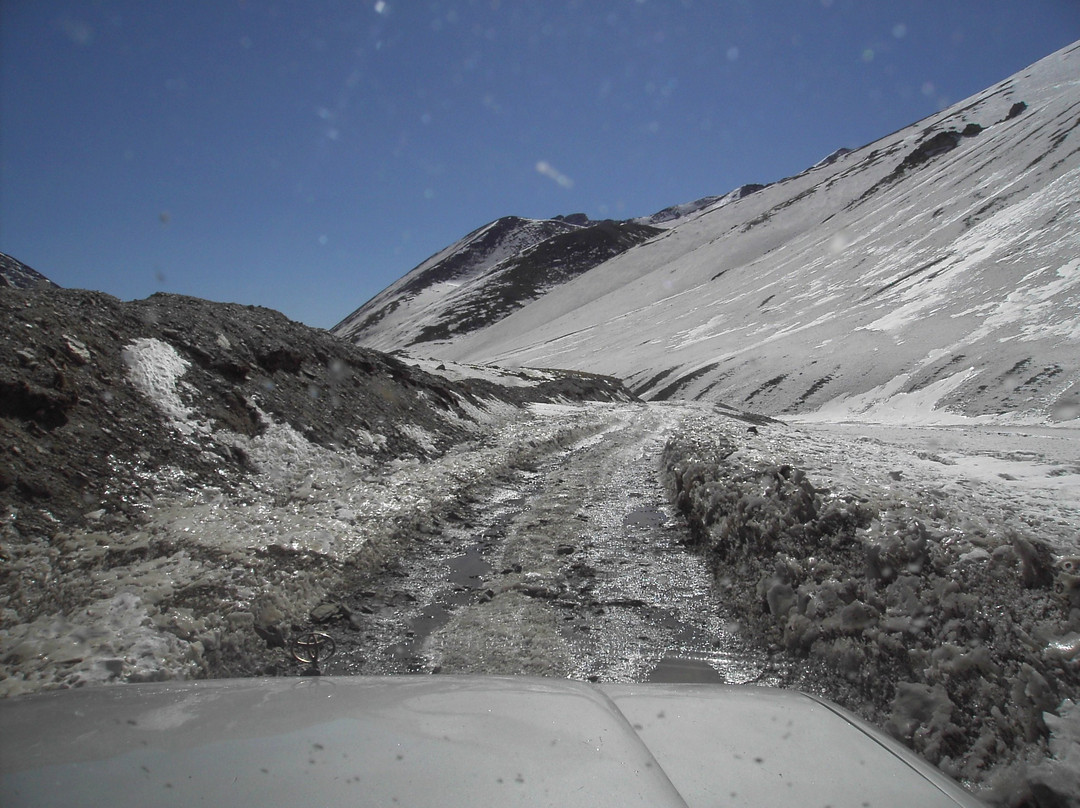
x,y
469,568
466,573
703,652
461,585
674,669
645,518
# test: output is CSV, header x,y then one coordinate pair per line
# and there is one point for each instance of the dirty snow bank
x,y
949,620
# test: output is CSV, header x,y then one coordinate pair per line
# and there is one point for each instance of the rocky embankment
x,y
960,638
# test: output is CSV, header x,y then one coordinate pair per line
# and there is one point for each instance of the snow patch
x,y
109,640
886,404
155,368
424,439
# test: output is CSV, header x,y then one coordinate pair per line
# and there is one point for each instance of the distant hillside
x,y
490,273
16,274
932,274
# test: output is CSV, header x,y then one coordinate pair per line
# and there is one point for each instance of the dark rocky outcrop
x,y
76,436
526,276
1015,110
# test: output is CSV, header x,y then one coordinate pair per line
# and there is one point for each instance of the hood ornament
x,y
311,648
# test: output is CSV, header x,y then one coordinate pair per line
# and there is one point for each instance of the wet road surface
x,y
572,565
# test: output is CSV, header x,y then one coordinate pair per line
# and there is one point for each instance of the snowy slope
x,y
519,279
493,271
395,316
16,274
932,273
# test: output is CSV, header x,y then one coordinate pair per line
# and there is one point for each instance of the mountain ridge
x,y
17,275
492,271
929,274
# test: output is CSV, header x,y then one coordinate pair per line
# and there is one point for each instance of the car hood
x,y
449,741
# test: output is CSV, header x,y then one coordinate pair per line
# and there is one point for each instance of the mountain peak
x,y
580,219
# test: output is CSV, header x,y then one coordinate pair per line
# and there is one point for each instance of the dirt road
x,y
570,565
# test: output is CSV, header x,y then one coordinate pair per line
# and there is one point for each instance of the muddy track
x,y
569,565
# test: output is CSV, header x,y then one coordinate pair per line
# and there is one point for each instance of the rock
x,y
920,713
33,487
857,616
271,634
800,633
77,350
1005,554
780,597
27,359
326,612
978,555
1015,110
240,620
1070,565
1037,562
940,143
280,357
20,398
1067,587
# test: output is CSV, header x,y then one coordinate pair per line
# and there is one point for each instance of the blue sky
x,y
303,155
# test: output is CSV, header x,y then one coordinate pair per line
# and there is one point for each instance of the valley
x,y
531,523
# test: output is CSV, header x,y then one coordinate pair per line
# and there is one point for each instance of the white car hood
x,y
449,741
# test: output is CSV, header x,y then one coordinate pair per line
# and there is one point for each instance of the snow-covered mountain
x,y
493,271
933,272
669,216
